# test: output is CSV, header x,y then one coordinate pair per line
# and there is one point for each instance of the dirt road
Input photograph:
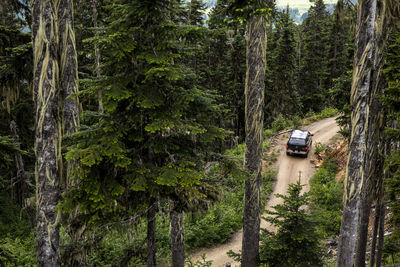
x,y
288,172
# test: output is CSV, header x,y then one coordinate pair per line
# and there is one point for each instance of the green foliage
x,y
319,148
121,245
281,123
202,263
217,225
13,220
158,124
392,161
393,189
327,113
314,75
17,243
282,96
340,91
392,92
296,242
326,199
15,252
391,249
7,150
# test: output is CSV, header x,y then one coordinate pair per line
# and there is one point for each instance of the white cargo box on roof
x,y
299,134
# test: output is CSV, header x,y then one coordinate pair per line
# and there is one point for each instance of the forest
x,y
138,132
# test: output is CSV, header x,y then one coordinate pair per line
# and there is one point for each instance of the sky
x,y
302,5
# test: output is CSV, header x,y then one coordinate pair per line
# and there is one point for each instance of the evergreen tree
x,y
16,101
158,122
313,79
195,12
284,98
296,242
222,66
391,102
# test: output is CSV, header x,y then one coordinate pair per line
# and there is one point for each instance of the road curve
x,y
288,172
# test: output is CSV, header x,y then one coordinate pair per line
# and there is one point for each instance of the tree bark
x,y
381,236
374,234
254,93
362,233
47,137
21,186
70,122
177,234
97,56
366,11
374,161
381,201
68,68
151,233
22,183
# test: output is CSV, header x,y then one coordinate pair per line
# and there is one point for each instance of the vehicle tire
x,y
306,155
287,153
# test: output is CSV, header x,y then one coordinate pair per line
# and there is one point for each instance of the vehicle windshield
x,y
297,141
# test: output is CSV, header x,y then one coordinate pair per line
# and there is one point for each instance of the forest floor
x,y
288,170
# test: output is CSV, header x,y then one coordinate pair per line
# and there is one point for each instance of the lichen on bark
x,y
355,177
47,149
254,94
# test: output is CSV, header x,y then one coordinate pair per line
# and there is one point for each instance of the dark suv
x,y
299,143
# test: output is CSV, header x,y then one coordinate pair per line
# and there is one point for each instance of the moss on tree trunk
x,y
47,142
254,93
355,177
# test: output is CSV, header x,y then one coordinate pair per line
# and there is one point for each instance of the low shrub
x,y
281,123
319,148
18,251
326,199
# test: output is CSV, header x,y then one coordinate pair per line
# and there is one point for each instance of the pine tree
x,y
283,96
195,12
390,101
295,243
158,122
313,76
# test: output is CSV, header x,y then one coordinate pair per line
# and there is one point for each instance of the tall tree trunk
x,y
374,160
381,202
151,233
68,68
47,137
374,234
177,234
379,206
97,56
379,251
70,121
254,93
22,182
366,11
